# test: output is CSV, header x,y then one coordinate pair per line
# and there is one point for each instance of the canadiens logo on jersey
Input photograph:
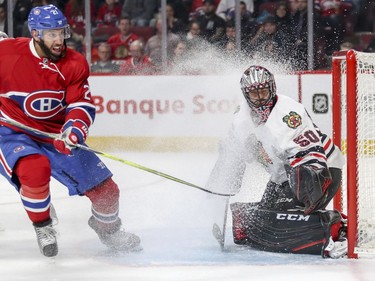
x,y
44,104
293,120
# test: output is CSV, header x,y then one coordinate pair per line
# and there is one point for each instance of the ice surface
x,y
174,222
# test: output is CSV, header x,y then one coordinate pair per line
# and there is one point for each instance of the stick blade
x,y
219,236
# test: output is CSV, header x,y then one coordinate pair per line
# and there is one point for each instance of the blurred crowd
x,y
126,34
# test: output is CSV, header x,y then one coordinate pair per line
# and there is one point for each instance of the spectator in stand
x,y
293,6
227,45
333,25
300,31
181,62
104,64
121,53
3,19
120,42
365,19
270,42
194,30
283,18
140,11
21,12
109,13
229,37
230,50
193,38
227,7
196,8
4,3
75,14
213,26
153,45
174,25
180,51
137,63
248,24
181,9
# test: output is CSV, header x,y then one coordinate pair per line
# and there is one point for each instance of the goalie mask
x,y
259,89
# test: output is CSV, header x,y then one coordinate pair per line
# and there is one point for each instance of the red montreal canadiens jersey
x,y
40,93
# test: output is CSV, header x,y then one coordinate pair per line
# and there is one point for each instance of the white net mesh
x,y
365,88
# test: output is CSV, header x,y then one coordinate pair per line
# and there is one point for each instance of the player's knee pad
x,y
281,231
105,196
38,175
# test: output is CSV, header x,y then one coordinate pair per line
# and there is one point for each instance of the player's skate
x,y
46,236
115,238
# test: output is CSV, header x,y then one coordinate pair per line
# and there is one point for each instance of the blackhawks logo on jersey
x,y
293,120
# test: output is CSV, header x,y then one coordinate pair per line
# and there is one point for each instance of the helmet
x,y
254,78
48,17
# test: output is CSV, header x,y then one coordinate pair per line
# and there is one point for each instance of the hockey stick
x,y
115,158
218,233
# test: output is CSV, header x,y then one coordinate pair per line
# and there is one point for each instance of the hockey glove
x,y
73,132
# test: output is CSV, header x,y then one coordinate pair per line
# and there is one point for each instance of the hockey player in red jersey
x,y
304,167
44,85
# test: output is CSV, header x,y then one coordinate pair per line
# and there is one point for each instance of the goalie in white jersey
x,y
304,167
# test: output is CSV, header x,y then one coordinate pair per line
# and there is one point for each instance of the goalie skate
x,y
336,249
116,239
46,237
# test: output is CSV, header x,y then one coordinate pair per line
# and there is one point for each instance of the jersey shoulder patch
x,y
293,120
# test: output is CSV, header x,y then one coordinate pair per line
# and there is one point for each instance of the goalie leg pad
x,y
279,231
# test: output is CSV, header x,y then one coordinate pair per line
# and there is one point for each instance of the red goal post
x,y
353,99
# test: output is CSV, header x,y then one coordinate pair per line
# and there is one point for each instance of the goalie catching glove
x,y
73,132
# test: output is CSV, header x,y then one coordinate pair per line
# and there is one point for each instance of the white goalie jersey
x,y
288,137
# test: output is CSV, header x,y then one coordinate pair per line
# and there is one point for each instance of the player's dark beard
x,y
49,54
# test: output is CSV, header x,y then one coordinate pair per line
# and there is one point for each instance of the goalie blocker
x,y
289,231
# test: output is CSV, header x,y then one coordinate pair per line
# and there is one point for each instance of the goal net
x,y
353,95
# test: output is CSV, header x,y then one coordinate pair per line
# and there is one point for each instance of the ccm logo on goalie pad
x,y
292,217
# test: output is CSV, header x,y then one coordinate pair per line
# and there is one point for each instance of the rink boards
x,y
186,112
